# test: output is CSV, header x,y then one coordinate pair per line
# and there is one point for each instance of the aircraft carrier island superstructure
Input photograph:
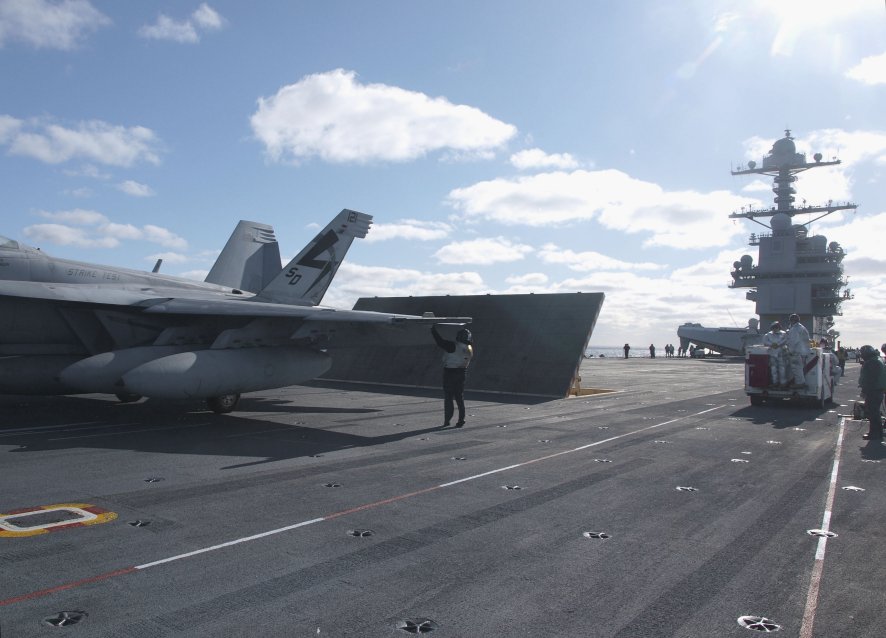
x,y
796,272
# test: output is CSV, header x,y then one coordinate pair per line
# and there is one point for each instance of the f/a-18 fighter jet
x,y
68,327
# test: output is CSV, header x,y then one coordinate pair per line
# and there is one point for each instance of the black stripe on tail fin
x,y
305,279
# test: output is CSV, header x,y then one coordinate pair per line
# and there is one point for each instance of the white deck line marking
x,y
476,476
245,539
401,497
818,567
577,449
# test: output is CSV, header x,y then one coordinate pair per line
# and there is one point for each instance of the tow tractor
x,y
820,378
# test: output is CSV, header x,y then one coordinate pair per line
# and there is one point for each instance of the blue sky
x,y
502,146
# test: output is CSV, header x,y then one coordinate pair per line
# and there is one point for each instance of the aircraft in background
x,y
68,327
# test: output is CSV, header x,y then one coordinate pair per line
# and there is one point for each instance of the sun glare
x,y
794,18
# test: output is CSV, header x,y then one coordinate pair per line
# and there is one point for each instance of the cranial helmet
x,y
775,324
867,352
794,318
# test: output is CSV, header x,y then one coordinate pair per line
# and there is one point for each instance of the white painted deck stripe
x,y
238,541
818,567
280,530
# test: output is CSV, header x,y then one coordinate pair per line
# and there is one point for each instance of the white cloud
x,y
207,17
135,189
535,158
853,147
52,24
168,29
865,268
121,231
529,279
9,127
757,186
87,170
667,301
195,275
186,31
162,236
94,140
78,216
613,198
169,258
713,272
334,117
411,229
354,281
590,260
101,231
482,252
857,236
62,235
534,282
871,70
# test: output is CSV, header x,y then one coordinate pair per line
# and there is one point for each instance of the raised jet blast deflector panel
x,y
524,344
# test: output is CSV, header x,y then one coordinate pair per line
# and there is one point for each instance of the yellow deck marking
x,y
15,524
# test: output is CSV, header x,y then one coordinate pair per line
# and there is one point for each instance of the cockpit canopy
x,y
9,244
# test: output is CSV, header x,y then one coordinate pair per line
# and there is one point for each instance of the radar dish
x,y
781,221
784,146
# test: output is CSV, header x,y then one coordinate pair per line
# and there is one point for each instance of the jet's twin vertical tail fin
x,y
305,279
250,260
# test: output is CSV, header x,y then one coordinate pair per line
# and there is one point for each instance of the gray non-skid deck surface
x,y
476,558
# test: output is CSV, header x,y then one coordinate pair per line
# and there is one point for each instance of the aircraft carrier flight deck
x,y
670,507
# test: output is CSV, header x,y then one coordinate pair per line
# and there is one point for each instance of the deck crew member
x,y
775,340
871,391
797,342
841,358
831,360
455,364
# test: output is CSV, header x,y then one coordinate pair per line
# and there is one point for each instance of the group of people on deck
x,y
787,358
787,353
670,351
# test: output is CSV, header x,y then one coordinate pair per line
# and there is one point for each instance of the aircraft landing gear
x,y
224,403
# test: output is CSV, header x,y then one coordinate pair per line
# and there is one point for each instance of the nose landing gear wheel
x,y
224,403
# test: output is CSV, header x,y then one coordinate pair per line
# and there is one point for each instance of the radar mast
x,y
796,272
